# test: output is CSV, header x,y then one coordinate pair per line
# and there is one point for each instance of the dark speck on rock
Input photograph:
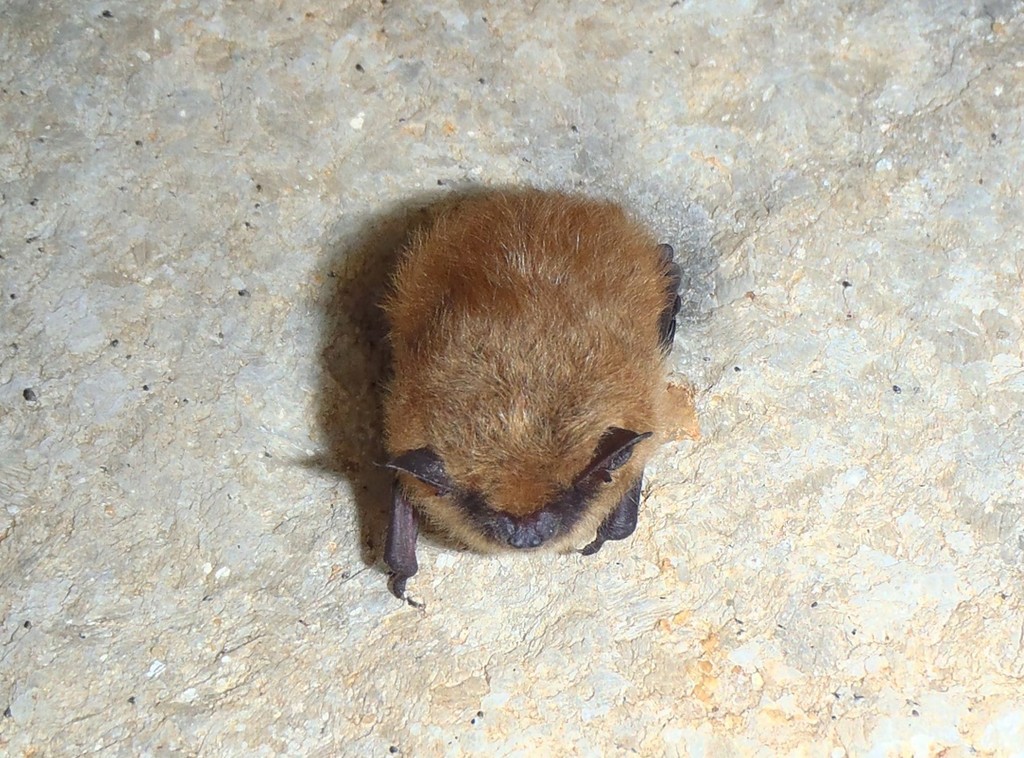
x,y
132,700
736,368
897,389
846,283
115,342
29,394
107,14
359,68
243,293
7,712
27,624
145,388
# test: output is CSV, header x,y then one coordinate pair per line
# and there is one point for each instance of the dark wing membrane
x,y
667,320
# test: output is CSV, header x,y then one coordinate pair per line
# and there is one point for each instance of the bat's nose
x,y
525,538
526,532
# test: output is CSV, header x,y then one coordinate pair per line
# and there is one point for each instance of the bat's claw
x,y
397,586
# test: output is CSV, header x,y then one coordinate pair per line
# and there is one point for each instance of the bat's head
x,y
507,504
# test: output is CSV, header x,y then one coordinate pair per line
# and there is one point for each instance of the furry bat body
x,y
529,331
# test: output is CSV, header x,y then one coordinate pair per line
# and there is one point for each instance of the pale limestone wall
x,y
196,201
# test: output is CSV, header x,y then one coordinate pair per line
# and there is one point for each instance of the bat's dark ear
x,y
613,450
424,464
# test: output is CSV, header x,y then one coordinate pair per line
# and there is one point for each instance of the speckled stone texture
x,y
198,201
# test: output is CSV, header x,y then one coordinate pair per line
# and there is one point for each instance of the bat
x,y
529,331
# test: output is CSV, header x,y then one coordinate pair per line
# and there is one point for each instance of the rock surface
x,y
197,202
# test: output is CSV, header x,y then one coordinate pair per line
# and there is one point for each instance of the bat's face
x,y
533,523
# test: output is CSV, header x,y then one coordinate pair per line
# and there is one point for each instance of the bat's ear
x,y
424,464
613,450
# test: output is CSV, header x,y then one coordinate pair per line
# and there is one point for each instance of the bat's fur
x,y
524,324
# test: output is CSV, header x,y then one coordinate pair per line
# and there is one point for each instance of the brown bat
x,y
529,332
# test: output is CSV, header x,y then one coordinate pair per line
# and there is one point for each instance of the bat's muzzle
x,y
525,532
